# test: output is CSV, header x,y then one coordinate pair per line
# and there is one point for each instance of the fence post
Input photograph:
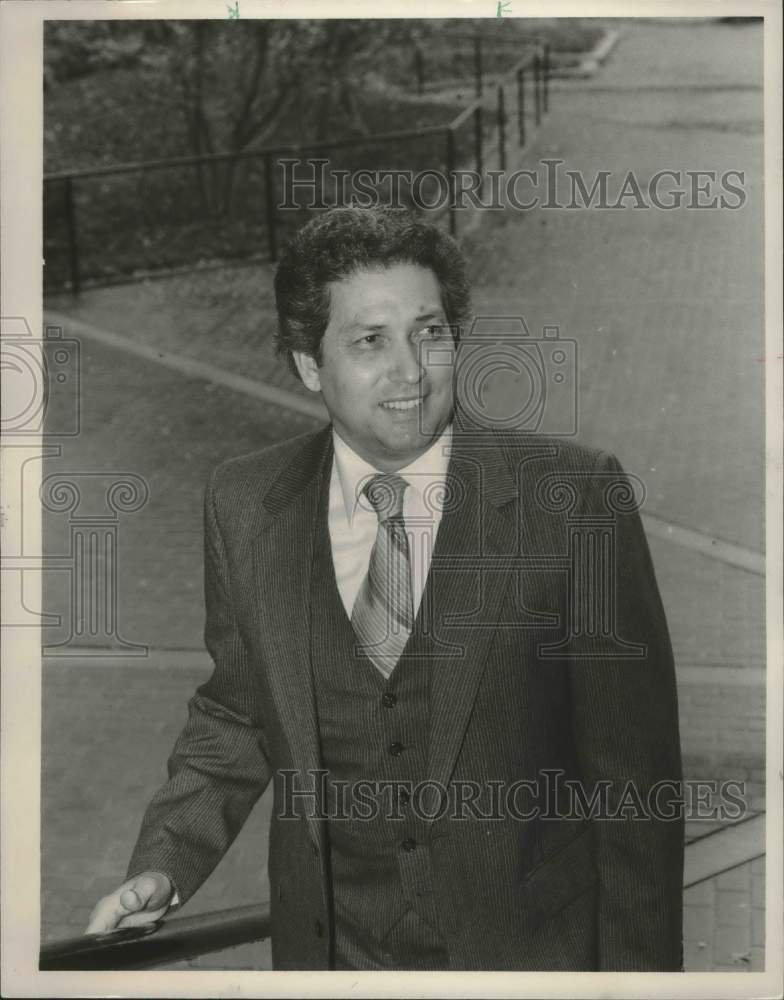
x,y
537,90
501,130
73,246
269,192
521,106
546,78
478,138
450,179
478,65
419,69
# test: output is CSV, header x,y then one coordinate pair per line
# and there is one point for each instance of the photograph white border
x,y
21,108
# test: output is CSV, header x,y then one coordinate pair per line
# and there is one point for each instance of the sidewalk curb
x,y
724,849
191,367
591,62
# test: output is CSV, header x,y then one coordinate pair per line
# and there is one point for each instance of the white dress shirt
x,y
353,523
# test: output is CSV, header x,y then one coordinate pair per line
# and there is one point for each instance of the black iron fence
x,y
486,58
109,224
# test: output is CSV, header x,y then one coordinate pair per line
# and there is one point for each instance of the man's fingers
x,y
105,916
152,891
139,901
131,901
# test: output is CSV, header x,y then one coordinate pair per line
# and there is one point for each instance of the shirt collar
x,y
353,470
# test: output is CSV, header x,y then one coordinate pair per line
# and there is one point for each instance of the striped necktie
x,y
383,613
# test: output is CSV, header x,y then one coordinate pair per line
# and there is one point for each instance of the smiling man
x,y
399,645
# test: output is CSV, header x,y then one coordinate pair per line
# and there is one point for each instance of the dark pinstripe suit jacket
x,y
537,688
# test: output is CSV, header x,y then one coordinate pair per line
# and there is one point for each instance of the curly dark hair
x,y
342,241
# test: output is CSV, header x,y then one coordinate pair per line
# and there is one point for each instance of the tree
x,y
234,84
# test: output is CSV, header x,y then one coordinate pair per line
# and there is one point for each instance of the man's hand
x,y
141,900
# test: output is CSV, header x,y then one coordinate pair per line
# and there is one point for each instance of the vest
x,y
373,736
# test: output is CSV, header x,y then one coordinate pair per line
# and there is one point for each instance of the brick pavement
x,y
667,311
724,921
723,733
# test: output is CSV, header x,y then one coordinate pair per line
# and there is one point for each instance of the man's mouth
x,y
402,404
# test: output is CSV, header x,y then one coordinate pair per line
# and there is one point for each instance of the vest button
x,y
409,845
396,749
388,700
318,927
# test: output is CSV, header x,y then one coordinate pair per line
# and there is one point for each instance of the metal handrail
x,y
159,943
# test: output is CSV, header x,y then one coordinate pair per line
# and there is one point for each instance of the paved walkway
x,y
666,309
724,921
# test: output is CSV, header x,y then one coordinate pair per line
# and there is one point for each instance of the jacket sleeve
x,y
217,769
626,728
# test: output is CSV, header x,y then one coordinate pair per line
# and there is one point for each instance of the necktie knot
x,y
385,493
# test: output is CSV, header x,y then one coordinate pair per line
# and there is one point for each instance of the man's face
x,y
387,398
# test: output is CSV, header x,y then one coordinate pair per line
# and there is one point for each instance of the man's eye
x,y
368,340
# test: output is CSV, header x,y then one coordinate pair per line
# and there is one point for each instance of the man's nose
x,y
407,365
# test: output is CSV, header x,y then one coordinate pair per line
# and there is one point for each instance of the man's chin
x,y
419,424
403,448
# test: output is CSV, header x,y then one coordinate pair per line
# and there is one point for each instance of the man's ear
x,y
308,370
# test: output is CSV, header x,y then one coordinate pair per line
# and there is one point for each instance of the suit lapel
x,y
282,563
463,595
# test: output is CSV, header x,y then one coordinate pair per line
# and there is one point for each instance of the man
x,y
439,641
